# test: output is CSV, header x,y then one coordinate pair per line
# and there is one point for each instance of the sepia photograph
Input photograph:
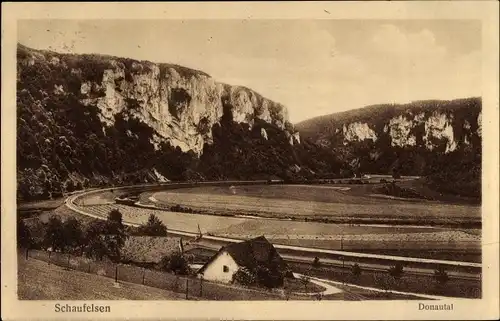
x,y
246,159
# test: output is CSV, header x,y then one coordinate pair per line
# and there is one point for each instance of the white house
x,y
249,254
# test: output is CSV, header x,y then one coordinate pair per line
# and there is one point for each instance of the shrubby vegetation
x,y
175,263
457,172
264,276
97,240
153,227
394,190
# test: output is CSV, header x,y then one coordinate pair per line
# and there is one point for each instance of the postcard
x,y
250,160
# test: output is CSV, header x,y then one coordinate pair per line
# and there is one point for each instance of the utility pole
x,y
201,287
342,248
343,258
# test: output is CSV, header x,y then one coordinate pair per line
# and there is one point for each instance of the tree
x,y
54,234
153,227
316,263
24,238
73,234
356,271
95,246
114,234
441,275
396,271
115,217
175,263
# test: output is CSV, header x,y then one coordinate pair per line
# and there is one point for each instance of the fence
x,y
193,288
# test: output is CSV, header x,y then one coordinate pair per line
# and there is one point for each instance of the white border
x,y
486,308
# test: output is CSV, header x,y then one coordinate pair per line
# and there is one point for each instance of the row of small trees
x,y
396,271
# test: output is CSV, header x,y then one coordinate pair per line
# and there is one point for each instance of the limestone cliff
x,y
443,125
87,120
180,104
428,138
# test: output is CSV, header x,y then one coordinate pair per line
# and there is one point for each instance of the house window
x,y
225,268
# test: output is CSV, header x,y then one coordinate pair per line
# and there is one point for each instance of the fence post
x,y
68,261
187,288
116,274
89,265
201,287
49,257
143,275
27,255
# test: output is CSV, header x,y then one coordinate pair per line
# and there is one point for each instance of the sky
x,y
313,67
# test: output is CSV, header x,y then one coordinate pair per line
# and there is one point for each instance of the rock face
x,y
181,105
94,120
356,132
429,125
437,138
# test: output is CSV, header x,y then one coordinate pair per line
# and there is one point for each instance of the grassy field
x,y
313,234
39,281
297,201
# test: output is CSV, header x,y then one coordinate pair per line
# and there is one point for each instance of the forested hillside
x,y
437,139
90,120
93,120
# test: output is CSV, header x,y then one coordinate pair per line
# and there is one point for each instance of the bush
x,y
356,271
175,263
73,234
316,263
396,271
269,277
153,227
245,277
441,275
54,234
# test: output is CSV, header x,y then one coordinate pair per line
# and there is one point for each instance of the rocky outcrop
x,y
438,139
443,125
94,120
180,104
355,132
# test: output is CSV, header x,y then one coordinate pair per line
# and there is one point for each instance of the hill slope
x,y
40,281
437,139
91,120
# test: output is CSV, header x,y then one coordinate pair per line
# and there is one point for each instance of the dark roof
x,y
253,253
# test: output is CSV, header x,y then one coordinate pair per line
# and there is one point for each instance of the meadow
x,y
317,202
292,214
314,234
